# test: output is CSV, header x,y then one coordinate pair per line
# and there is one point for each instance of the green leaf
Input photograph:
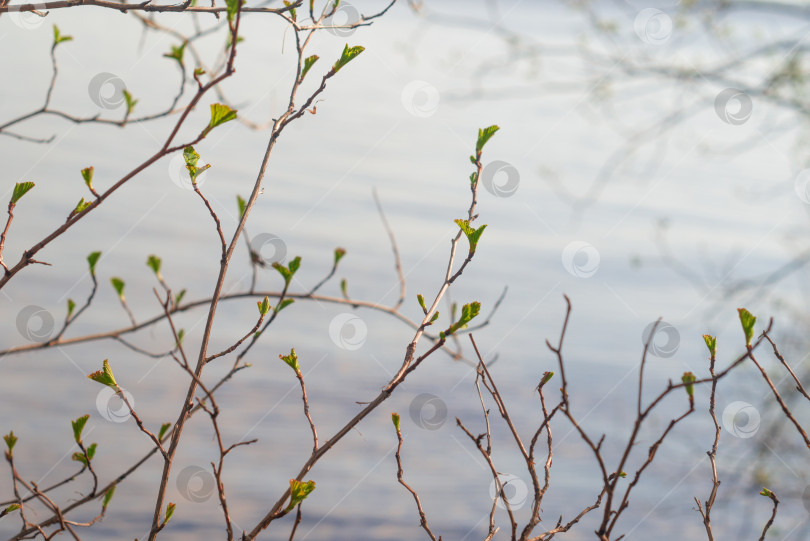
x,y
473,160
105,376
20,189
299,492
78,426
711,343
92,259
220,114
343,285
79,457
689,378
339,253
349,53
283,304
181,333
308,63
242,205
289,271
484,136
163,429
118,284
169,513
71,305
747,321
473,235
191,157
179,297
292,11
10,440
81,206
435,317
177,53
154,262
421,300
546,377
10,508
131,102
233,7
395,420
58,37
91,451
108,496
264,306
87,175
766,492
292,360
468,313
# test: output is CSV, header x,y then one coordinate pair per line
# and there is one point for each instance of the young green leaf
x,y
308,63
689,378
92,259
282,305
163,428
118,284
191,157
289,271
154,262
546,377
292,360
292,11
349,53
10,508
711,343
79,457
87,175
264,306
78,426
233,7
20,189
91,451
473,235
81,206
339,253
242,205
748,322
484,136
299,492
71,305
179,297
395,420
58,37
220,114
108,496
131,102
177,53
343,285
181,333
765,492
169,513
421,300
435,317
10,440
468,313
105,376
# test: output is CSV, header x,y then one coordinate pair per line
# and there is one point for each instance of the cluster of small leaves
x,y
349,54
177,53
473,235
421,300
289,271
748,322
711,343
299,491
264,306
11,441
58,37
191,157
105,376
292,360
468,312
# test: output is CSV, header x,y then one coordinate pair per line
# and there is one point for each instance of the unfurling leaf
x,y
105,376
339,253
118,284
78,426
343,285
10,508
421,300
395,420
20,189
10,440
264,306
154,262
282,305
748,322
131,102
468,312
233,7
711,343
546,377
435,316
688,379
81,206
87,175
349,53
179,297
220,114
58,37
767,493
181,333
484,136
191,157
242,205
473,235
292,360
308,63
289,271
169,513
71,305
292,10
299,492
79,457
92,259
177,53
108,497
163,428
